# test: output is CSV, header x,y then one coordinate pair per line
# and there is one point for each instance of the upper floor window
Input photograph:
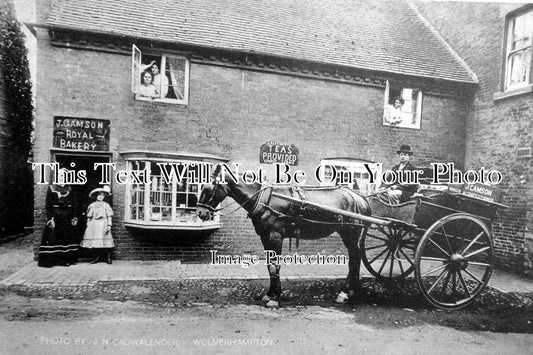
x,y
402,106
518,51
160,77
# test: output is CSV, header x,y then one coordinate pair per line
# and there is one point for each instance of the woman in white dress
x,y
393,115
160,81
147,89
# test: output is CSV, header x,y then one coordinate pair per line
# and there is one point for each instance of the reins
x,y
278,213
212,209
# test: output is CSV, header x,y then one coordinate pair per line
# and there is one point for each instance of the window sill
x,y
188,226
149,155
163,101
512,93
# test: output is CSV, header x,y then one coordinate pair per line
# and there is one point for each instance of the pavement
x,y
84,273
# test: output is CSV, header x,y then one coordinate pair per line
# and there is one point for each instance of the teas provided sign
x,y
278,153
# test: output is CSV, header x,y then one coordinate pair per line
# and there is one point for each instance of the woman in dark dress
x,y
60,245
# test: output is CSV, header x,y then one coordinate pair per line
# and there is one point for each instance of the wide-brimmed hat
x,y
405,149
106,190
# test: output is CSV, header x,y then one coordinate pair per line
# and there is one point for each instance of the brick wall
x,y
495,129
323,119
231,112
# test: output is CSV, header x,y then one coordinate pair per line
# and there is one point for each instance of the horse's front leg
x,y
272,242
352,286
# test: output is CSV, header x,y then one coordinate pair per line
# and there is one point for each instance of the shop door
x,y
81,192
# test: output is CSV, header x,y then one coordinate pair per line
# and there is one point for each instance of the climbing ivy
x,y
16,189
17,83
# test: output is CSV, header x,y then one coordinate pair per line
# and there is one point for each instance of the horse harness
x,y
296,213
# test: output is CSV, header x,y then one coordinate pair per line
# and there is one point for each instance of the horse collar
x,y
262,200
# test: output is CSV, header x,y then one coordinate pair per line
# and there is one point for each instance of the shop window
x,y
165,201
160,77
351,173
402,106
519,32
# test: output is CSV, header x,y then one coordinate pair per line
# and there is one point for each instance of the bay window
x,y
163,199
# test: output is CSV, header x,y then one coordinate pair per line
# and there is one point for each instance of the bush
x,y
16,181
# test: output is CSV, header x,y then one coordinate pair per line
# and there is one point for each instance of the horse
x,y
276,218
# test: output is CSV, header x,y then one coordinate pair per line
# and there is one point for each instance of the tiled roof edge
x,y
363,68
443,41
55,9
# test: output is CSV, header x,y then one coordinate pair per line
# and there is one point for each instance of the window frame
x,y
181,217
352,166
506,67
136,59
416,113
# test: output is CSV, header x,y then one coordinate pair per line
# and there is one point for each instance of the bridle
x,y
213,193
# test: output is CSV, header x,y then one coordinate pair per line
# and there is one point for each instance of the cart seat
x,y
404,212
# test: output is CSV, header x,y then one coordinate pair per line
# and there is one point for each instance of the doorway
x,y
81,192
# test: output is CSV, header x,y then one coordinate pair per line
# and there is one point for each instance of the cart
x,y
443,237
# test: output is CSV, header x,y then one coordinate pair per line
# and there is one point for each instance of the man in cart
x,y
399,191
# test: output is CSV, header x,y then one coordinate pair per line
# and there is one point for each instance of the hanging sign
x,y
85,134
278,153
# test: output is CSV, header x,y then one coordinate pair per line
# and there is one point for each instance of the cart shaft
x,y
354,215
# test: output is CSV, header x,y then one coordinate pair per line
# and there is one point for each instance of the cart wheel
x,y
454,261
389,252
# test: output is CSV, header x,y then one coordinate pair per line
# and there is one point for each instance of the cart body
x,y
443,237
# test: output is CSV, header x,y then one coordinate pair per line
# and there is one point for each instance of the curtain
x,y
177,76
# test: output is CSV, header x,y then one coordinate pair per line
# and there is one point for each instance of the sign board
x,y
479,191
85,134
482,192
271,153
455,188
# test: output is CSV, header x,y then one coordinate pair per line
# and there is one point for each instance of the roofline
x,y
443,41
464,82
31,27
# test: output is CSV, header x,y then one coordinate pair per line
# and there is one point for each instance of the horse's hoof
x,y
342,297
266,298
272,304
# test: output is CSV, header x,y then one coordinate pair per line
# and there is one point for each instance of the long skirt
x,y
95,235
58,246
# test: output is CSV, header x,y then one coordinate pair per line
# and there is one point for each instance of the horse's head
x,y
211,196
